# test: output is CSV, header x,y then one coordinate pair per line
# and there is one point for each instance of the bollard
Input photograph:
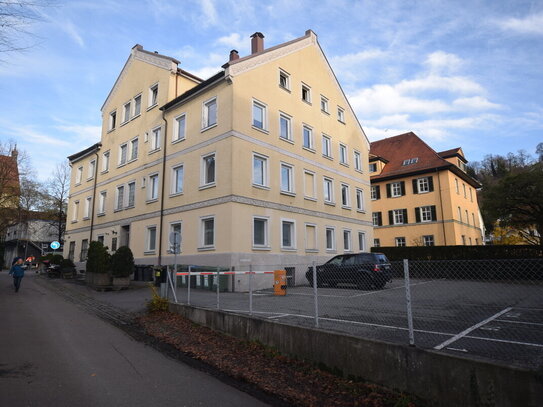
x,y
218,281
315,295
408,302
250,289
188,287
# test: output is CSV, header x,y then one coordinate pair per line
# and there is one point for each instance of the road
x,y
54,353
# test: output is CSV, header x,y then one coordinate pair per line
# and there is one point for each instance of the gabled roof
x,y
453,152
196,89
422,158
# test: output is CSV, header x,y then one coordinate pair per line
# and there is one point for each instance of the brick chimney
x,y
257,42
234,55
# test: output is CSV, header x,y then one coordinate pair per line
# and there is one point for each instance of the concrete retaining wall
x,y
442,380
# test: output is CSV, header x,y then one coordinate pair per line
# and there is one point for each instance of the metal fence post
x,y
188,287
408,302
250,289
315,295
218,283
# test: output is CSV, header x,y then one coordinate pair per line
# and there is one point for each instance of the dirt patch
x,y
294,381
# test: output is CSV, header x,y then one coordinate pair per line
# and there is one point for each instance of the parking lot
x,y
502,321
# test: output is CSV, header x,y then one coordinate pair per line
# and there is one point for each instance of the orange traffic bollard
x,y
279,282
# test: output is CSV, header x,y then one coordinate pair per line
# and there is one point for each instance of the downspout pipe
x,y
161,221
441,206
94,193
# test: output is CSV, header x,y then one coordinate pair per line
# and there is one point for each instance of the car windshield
x,y
350,260
336,260
381,258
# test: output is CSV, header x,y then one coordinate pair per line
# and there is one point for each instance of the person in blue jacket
x,y
17,271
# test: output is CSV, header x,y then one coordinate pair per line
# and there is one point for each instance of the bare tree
x,y
58,188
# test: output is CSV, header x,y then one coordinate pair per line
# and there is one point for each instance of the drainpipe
x,y
441,205
161,221
94,194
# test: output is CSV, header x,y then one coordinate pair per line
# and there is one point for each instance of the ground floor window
x,y
428,240
208,232
84,249
400,241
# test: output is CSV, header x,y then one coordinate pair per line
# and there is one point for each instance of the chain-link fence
x,y
489,308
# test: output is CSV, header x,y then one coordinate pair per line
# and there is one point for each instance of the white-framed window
x,y
176,227
376,218
473,219
376,242
155,139
464,188
152,191
119,198
373,167
330,238
260,232
470,195
310,188
180,128
396,189
177,179
360,200
92,169
375,192
307,136
88,206
400,241
343,154
75,213
459,214
209,113
285,127
457,186
123,153
126,111
260,170
102,202
153,95
361,241
345,196
288,234
426,214
428,240
328,190
78,175
134,149
357,161
284,80
467,217
324,104
105,161
311,237
208,232
137,105
208,170
260,118
131,194
150,240
306,93
287,178
347,243
112,120
326,146
423,185
341,114
398,216
84,249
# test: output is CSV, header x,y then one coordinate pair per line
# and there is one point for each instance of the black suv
x,y
365,270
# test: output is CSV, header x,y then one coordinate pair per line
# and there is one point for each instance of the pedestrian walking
x,y
17,271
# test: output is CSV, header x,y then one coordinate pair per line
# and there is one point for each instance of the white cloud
x,y
234,40
440,62
451,84
350,66
531,24
69,28
475,103
209,13
82,133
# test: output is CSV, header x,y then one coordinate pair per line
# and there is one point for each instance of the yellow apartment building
x,y
262,163
422,197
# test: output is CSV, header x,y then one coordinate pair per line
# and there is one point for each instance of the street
x,y
53,353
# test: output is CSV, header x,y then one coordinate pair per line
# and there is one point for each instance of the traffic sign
x,y
55,245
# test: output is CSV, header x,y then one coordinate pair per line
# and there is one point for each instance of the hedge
x,y
460,252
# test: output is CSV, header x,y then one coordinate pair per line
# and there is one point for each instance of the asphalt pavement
x,y
54,352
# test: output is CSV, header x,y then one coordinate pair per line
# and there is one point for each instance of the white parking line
x,y
519,322
471,328
390,289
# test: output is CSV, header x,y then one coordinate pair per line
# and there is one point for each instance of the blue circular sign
x,y
55,245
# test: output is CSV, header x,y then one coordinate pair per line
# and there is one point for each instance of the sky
x,y
457,73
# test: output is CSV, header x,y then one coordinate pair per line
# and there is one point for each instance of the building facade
x,y
421,197
261,163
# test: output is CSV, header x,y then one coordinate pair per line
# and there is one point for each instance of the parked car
x,y
365,270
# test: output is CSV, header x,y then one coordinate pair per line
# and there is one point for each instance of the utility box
x,y
279,282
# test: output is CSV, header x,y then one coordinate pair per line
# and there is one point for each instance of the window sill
x,y
311,250
104,172
260,130
286,140
153,151
73,221
285,89
361,210
90,179
325,112
341,121
174,194
330,203
179,140
311,150
131,160
328,157
307,101
205,248
208,127
130,207
111,130
310,198
86,218
344,164
100,214
359,170
121,165
395,196
149,201
152,106
346,207
288,249
135,117
123,123
77,184
288,193
207,186
261,248
149,252
117,210
331,251
264,187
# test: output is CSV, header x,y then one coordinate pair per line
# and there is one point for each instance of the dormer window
x,y
373,167
410,161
